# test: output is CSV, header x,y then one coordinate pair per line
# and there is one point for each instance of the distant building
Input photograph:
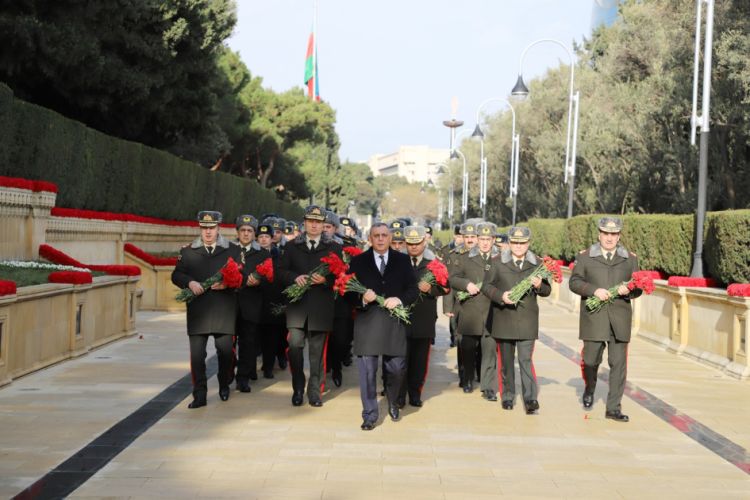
x,y
604,12
416,163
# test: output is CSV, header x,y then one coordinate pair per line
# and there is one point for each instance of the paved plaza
x,y
688,436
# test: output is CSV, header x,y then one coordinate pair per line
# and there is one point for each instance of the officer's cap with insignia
x,y
397,234
346,221
414,234
332,218
428,230
469,229
457,229
278,224
314,212
486,229
246,220
610,225
290,227
209,218
501,238
396,224
519,234
265,229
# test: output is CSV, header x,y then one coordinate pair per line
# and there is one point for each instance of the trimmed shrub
x,y
726,251
95,171
546,236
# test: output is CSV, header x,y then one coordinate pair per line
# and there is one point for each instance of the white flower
x,y
40,265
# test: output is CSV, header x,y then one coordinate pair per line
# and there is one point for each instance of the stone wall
x,y
45,324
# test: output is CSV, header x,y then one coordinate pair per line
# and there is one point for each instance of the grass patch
x,y
28,277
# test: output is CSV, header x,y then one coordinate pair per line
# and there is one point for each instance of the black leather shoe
x,y
415,402
489,395
254,376
617,416
197,403
337,379
469,387
297,398
282,363
316,403
367,426
267,374
531,406
507,405
243,385
393,412
588,400
224,393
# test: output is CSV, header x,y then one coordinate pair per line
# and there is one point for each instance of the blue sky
x,y
390,68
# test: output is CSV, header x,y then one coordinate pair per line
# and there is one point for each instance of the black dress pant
x,y
316,341
417,361
338,343
223,344
469,347
247,345
270,344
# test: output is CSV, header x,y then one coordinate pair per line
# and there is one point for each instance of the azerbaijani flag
x,y
311,69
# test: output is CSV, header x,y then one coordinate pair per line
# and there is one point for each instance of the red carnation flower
x,y
231,275
264,270
438,272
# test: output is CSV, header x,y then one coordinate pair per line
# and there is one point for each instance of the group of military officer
x,y
486,324
490,327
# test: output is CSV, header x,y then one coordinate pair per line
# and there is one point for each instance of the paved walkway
x,y
687,438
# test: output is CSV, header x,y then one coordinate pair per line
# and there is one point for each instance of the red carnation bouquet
x,y
641,279
264,270
349,283
350,252
549,270
230,275
330,264
437,274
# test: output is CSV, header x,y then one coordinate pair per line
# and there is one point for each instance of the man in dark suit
x,y
250,299
311,317
212,311
421,332
602,266
272,323
515,325
387,273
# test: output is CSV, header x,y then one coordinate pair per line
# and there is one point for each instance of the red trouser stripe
x,y
325,364
583,376
531,360
286,351
426,369
499,368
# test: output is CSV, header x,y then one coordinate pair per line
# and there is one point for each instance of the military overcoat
x,y
471,268
592,271
251,297
214,311
424,311
519,321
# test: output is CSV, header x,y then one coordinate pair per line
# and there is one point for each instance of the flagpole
x,y
315,49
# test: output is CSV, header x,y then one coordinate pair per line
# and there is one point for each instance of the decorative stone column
x,y
23,222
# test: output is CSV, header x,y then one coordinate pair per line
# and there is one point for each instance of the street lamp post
x,y
442,168
483,160
702,121
465,194
521,90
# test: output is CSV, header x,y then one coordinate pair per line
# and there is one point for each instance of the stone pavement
x,y
691,444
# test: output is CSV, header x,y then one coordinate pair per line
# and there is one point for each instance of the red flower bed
x,y
693,282
738,290
93,214
7,287
18,183
147,257
654,275
58,257
72,277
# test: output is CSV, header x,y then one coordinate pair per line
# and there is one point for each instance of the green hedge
x,y
95,171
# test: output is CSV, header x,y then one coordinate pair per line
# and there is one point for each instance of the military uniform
x,y
472,321
272,322
311,317
250,298
420,334
214,312
515,326
595,269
